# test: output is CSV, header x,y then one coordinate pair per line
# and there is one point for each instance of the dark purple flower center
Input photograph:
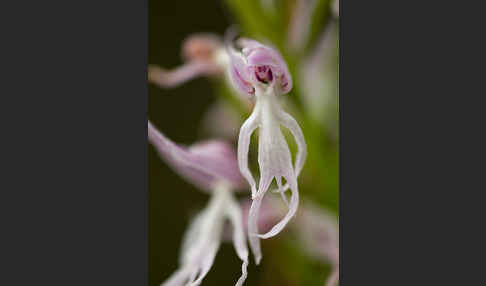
x,y
264,74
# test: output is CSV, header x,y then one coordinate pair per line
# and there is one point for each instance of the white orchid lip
x,y
203,164
203,238
260,71
274,159
212,166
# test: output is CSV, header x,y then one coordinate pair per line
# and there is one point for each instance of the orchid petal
x,y
179,75
238,73
281,190
290,123
248,44
261,56
203,238
257,54
253,217
220,159
239,240
207,262
203,164
294,204
201,242
201,46
191,237
286,79
243,148
178,278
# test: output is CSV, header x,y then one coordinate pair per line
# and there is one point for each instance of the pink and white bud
x,y
201,52
201,47
204,164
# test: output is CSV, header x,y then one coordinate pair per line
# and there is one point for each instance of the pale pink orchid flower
x,y
316,229
318,73
335,8
300,24
203,55
259,72
212,167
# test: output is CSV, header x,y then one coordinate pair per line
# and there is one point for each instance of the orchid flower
x,y
203,55
318,74
335,8
212,167
318,230
259,71
299,29
221,120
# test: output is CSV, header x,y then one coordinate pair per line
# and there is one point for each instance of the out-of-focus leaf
x,y
299,270
319,19
257,22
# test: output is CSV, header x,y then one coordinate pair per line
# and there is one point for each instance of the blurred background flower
x,y
194,102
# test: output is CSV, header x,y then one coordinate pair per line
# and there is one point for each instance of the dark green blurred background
x,y
178,112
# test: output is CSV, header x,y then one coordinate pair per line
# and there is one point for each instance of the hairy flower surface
x,y
211,166
259,71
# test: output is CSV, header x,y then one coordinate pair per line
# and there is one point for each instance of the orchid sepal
x,y
203,164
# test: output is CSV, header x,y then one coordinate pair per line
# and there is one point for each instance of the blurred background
x,y
181,112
